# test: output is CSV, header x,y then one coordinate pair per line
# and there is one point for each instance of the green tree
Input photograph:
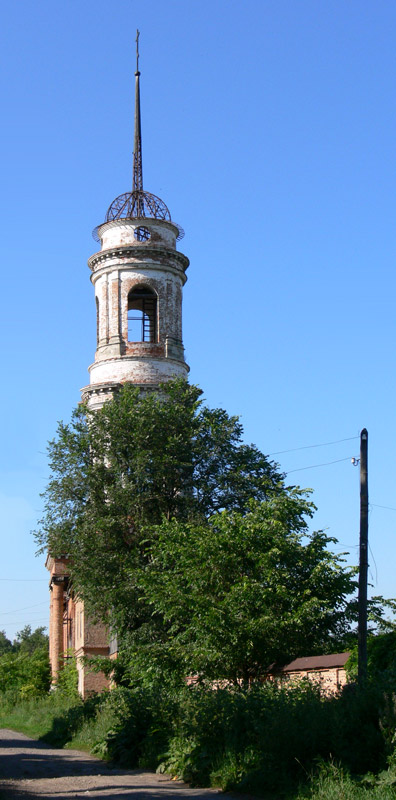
x,y
142,457
238,592
25,667
27,673
186,541
28,641
5,644
381,656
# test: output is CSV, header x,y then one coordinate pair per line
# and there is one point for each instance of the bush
x,y
140,725
26,673
67,681
264,740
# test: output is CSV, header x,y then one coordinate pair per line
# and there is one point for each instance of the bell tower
x,y
138,276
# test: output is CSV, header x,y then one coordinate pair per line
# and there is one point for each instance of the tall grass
x,y
266,740
53,718
332,782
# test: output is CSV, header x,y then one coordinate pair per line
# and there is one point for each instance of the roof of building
x,y
316,662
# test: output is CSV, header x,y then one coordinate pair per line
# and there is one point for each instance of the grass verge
x,y
266,741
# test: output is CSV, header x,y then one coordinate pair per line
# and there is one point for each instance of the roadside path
x,y
31,769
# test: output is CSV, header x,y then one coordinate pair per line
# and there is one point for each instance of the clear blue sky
x,y
269,130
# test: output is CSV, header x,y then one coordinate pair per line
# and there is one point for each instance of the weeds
x,y
268,740
332,782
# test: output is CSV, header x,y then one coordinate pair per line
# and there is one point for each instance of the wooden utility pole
x,y
363,561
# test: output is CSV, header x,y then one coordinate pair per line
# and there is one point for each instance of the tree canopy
x,y
186,540
141,458
5,643
239,592
28,641
24,665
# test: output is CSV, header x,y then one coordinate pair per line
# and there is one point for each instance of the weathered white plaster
x,y
122,231
123,264
135,369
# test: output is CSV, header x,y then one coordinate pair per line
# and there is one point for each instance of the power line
x,y
32,614
309,446
25,608
375,566
390,508
313,466
10,622
25,580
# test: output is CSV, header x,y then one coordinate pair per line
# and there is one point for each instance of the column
x,y
56,624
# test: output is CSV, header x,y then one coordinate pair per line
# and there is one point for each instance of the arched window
x,y
97,320
142,315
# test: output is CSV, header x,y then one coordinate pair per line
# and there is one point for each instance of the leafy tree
x,y
25,666
5,644
28,641
238,592
186,540
142,457
381,656
29,674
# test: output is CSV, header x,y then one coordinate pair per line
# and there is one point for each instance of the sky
x,y
269,130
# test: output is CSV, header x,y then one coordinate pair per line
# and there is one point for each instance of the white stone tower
x,y
138,277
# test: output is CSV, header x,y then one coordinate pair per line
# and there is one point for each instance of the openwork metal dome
x,y
137,204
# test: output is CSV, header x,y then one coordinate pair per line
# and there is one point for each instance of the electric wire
x,y
375,581
25,608
23,621
310,446
25,580
313,466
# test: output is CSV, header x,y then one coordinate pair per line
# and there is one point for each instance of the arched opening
x,y
97,320
142,315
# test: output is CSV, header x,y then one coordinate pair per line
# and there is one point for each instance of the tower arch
x,y
142,314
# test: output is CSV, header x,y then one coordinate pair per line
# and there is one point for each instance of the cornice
x,y
101,388
138,255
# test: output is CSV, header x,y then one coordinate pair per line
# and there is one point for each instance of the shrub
x,y
67,682
264,740
26,673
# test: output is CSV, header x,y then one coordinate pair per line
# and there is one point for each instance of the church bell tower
x,y
138,276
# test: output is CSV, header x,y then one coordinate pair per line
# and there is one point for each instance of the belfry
x,y
138,276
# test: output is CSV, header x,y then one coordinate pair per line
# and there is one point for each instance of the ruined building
x,y
138,276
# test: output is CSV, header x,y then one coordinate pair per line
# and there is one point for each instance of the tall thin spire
x,y
137,183
137,204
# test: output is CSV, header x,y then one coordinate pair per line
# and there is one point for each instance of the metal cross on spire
x,y
137,181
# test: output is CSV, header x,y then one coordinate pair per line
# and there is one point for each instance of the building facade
x,y
327,672
138,277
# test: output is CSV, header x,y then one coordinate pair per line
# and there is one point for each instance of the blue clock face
x,y
142,234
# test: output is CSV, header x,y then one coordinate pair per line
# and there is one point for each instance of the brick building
x,y
138,276
328,671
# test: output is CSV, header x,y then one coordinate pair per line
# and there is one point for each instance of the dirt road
x,y
31,769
